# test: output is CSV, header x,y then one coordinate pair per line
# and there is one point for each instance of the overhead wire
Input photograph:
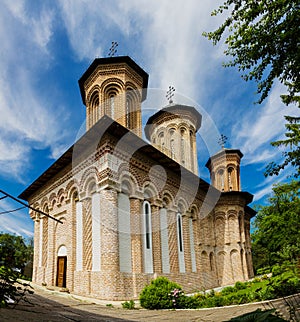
x,y
27,206
13,210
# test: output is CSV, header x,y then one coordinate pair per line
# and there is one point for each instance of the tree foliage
x,y
263,39
12,290
291,157
15,253
276,239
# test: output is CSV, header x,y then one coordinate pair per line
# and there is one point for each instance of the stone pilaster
x,y
156,240
173,243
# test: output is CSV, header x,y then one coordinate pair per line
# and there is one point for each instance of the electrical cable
x,y
9,211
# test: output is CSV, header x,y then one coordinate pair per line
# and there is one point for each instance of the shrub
x,y
128,305
277,270
264,270
285,284
157,295
188,302
240,286
227,290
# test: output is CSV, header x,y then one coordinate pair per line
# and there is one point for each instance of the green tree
x,y
276,238
263,38
15,253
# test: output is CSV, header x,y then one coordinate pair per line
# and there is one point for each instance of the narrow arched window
x,y
179,231
112,105
147,226
230,171
95,100
172,143
110,95
129,112
182,147
180,244
221,179
94,106
147,233
161,141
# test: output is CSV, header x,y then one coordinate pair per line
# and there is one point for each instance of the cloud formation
x,y
27,119
164,37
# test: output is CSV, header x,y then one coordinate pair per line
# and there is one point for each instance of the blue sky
x,y
47,45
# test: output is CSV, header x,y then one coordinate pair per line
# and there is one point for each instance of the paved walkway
x,y
47,305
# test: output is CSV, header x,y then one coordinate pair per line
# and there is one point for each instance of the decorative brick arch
x,y
150,191
52,200
90,173
130,181
95,88
45,204
167,198
61,196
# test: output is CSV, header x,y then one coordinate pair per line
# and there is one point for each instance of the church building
x,y
127,210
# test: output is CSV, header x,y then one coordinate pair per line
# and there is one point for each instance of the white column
x,y
180,244
193,256
124,233
147,237
96,233
79,236
164,241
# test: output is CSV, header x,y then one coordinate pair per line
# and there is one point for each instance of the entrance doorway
x,y
61,278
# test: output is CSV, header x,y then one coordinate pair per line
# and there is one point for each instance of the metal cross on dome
x,y
170,94
222,140
113,49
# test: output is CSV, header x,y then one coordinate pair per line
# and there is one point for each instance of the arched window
x,y
112,105
147,227
230,172
161,139
147,213
172,144
180,244
130,112
94,106
182,147
110,95
95,100
221,179
179,231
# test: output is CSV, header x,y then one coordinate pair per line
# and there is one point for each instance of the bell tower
x,y
116,87
224,168
172,130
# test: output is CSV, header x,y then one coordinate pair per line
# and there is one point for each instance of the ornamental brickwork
x,y
130,212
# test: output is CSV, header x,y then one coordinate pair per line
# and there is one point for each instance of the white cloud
x,y
259,126
17,222
169,36
94,23
27,119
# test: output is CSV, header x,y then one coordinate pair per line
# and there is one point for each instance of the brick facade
x,y
205,241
